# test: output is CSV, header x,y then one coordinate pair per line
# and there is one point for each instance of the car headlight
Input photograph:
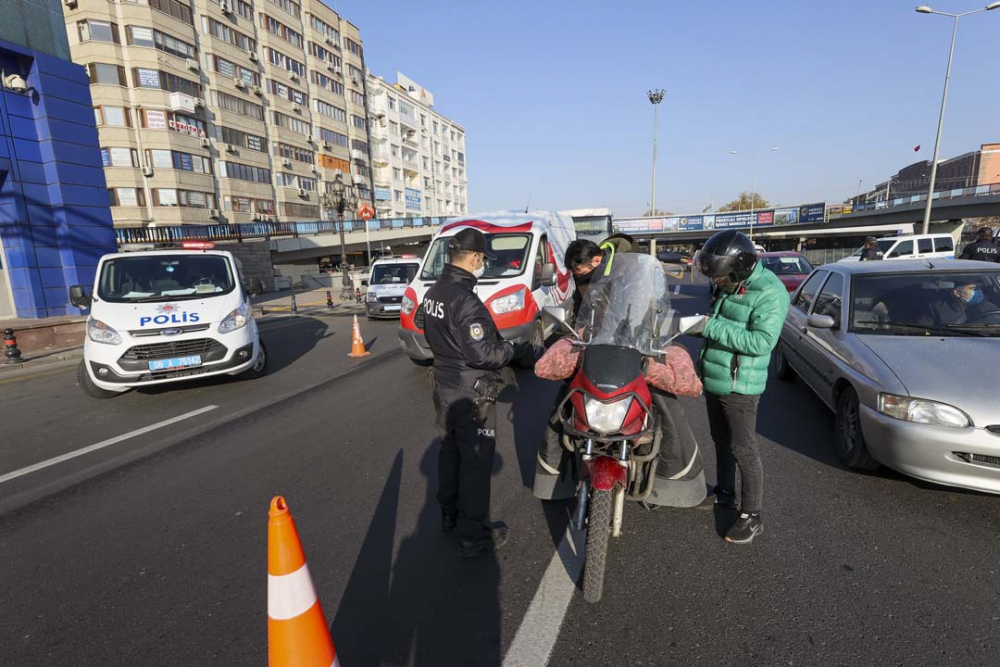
x,y
408,305
99,332
509,303
922,411
372,297
235,320
605,418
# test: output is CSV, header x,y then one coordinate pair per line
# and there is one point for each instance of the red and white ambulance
x,y
528,274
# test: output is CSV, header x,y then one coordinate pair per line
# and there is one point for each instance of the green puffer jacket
x,y
740,334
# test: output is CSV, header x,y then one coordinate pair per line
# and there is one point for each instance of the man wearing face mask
x,y
963,304
468,352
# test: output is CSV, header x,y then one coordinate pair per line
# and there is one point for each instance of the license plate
x,y
392,309
178,362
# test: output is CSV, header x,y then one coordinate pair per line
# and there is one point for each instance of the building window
x,y
293,124
246,172
101,73
394,150
284,180
154,79
294,153
98,31
392,103
353,47
279,59
248,205
326,56
355,73
296,210
183,198
331,137
166,159
238,105
243,139
359,122
120,157
407,109
362,146
324,28
357,98
397,174
287,93
324,81
232,70
175,8
397,196
281,30
126,197
289,6
331,111
329,162
222,31
154,39
113,116
243,8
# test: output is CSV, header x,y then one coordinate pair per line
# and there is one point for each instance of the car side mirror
x,y
821,321
548,275
78,297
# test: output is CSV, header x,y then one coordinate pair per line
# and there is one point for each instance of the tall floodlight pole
x,y
924,9
753,203
655,97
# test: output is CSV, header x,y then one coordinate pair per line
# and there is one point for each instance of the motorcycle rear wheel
x,y
598,534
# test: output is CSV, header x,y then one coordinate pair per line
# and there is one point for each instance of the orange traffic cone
x,y
297,633
358,343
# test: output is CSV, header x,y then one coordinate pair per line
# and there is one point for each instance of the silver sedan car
x,y
905,353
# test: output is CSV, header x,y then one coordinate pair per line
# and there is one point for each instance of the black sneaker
x,y
718,497
448,521
489,541
747,527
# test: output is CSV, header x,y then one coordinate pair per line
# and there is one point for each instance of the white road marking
x,y
677,290
535,639
106,443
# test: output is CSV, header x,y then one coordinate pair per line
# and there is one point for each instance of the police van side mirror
x,y
548,275
78,296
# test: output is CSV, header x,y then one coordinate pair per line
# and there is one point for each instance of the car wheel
x,y
782,369
88,386
851,447
259,368
537,340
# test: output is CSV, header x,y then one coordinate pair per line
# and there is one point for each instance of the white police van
x,y
167,315
387,282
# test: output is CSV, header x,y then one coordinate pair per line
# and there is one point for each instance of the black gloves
x,y
527,352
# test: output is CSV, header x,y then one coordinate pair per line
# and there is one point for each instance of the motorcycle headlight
x,y
922,411
235,320
99,332
372,297
605,418
508,304
408,305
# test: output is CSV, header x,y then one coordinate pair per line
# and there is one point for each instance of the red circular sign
x,y
366,211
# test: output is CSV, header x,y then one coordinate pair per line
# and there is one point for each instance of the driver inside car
x,y
963,304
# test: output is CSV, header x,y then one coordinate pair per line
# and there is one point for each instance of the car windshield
x,y
170,277
390,274
629,307
511,251
785,266
926,304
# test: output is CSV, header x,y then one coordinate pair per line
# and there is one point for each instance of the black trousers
x,y
465,461
732,419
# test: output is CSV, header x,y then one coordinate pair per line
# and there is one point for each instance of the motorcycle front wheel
x,y
598,533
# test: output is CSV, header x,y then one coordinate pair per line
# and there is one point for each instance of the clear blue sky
x,y
553,93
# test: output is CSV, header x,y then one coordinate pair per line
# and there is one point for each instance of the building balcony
x,y
407,120
411,167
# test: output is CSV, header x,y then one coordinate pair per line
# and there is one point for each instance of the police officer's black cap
x,y
471,240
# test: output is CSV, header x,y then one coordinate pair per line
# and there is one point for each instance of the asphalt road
x,y
152,550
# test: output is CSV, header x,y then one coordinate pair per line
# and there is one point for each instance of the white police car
x,y
387,282
166,316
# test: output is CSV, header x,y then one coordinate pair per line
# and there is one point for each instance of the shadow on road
x,y
428,608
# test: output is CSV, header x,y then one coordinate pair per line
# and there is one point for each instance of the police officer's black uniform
x,y
983,250
468,352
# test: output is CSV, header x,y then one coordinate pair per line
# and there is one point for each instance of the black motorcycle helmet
x,y
728,253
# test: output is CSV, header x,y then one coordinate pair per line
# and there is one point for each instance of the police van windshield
x,y
393,274
151,278
511,251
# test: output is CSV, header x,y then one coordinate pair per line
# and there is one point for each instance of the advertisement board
x,y
812,213
786,216
383,194
413,199
693,223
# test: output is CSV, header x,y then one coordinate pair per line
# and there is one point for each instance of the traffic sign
x,y
366,211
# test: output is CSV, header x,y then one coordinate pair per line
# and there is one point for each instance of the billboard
x,y
694,223
786,216
812,213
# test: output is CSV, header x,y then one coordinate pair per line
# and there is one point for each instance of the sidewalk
x,y
308,302
41,360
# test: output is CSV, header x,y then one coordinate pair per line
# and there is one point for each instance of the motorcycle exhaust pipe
x,y
582,497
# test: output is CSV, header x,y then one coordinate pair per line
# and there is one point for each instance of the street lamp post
x,y
341,200
924,9
655,97
753,160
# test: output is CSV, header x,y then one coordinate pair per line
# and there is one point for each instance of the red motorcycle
x,y
610,423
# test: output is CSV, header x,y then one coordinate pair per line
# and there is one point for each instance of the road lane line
x,y
677,290
105,443
539,630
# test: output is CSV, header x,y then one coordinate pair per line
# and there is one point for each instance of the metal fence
x,y
264,230
977,191
827,255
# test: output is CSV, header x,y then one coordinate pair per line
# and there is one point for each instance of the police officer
x,y
468,352
871,250
984,249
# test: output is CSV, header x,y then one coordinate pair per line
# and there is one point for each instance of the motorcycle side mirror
x,y
548,275
557,315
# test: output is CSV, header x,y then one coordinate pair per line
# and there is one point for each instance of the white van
x,y
162,316
912,246
387,281
528,275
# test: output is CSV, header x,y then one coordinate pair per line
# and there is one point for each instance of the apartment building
x,y
223,110
418,154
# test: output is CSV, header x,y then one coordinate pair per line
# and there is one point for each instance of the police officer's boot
x,y
489,541
448,521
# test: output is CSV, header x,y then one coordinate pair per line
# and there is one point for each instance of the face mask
x,y
584,279
974,298
478,273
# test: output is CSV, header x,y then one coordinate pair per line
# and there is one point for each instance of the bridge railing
x,y
977,191
264,230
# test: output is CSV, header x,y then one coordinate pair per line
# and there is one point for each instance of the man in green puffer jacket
x,y
740,333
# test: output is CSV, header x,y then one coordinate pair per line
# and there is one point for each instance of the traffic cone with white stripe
x,y
297,633
357,342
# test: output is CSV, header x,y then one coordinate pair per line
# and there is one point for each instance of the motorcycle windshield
x,y
629,306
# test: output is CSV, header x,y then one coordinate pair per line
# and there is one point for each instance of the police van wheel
x,y
259,368
88,386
